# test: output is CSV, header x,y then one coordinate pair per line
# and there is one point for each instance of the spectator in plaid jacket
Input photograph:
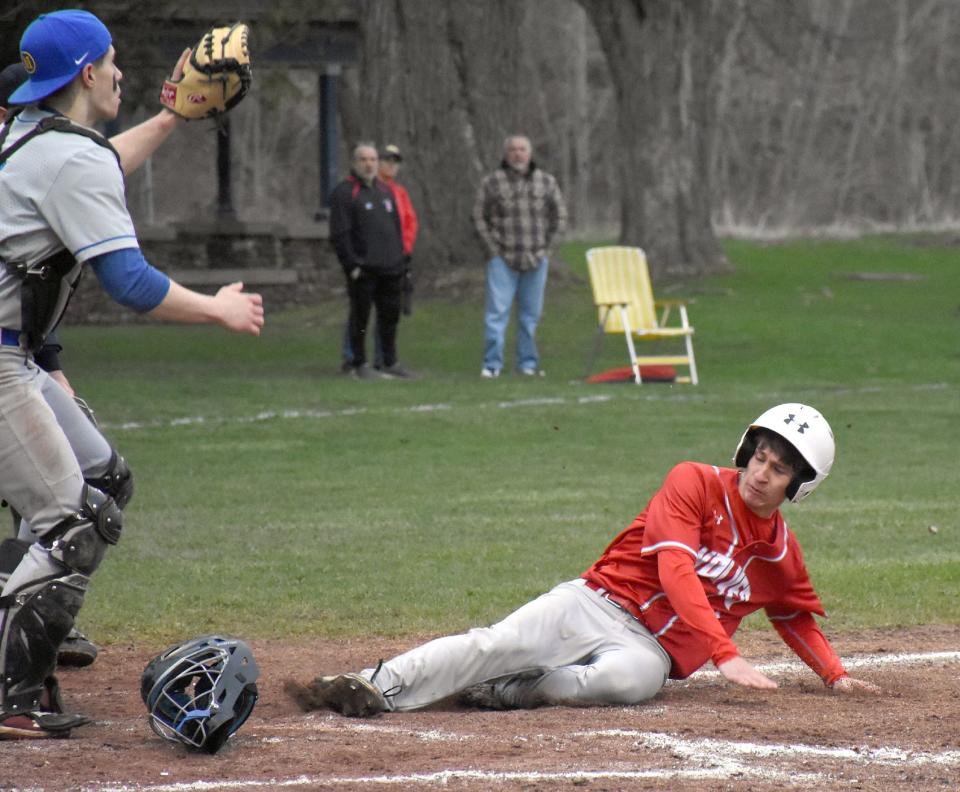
x,y
518,214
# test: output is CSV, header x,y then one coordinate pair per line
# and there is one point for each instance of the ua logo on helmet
x,y
791,418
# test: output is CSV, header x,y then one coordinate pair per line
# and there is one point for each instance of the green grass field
x,y
276,498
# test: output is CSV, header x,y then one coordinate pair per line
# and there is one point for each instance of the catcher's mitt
x,y
215,77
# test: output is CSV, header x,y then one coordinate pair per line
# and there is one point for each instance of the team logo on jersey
x,y
727,575
28,62
368,206
388,204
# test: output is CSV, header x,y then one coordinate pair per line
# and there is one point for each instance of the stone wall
x,y
288,267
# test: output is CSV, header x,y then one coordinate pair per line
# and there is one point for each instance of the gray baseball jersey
x,y
69,192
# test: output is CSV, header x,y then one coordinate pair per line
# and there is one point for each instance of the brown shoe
x,y
39,725
76,650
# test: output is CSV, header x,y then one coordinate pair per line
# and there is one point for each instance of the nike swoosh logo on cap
x,y
79,60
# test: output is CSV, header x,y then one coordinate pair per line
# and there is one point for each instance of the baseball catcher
x,y
216,75
52,156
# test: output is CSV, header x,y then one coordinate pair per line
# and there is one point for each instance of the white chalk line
x,y
851,662
281,415
442,777
692,749
273,415
696,749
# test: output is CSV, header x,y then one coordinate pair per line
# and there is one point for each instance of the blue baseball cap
x,y
53,50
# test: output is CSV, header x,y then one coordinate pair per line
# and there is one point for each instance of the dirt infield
x,y
696,735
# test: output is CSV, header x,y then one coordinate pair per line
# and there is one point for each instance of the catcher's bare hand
x,y
740,672
851,685
240,311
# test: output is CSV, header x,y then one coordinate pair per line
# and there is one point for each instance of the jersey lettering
x,y
726,574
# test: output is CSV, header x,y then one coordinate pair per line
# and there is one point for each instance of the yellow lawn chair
x,y
624,298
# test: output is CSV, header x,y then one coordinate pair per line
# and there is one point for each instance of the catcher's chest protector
x,y
47,285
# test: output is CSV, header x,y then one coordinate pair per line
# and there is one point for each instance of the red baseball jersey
x,y
743,563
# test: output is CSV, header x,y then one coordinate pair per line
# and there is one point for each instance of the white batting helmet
x,y
807,431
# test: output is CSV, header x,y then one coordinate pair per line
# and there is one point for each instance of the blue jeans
x,y
503,285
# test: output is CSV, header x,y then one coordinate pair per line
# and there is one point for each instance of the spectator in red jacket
x,y
389,168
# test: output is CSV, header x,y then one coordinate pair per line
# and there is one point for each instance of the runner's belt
x,y
625,605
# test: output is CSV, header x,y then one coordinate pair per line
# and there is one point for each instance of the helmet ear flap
x,y
793,487
748,444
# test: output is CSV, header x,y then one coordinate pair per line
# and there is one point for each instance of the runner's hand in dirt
x,y
851,685
741,672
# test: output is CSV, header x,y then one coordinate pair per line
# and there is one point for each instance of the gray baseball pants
x,y
589,651
47,444
90,448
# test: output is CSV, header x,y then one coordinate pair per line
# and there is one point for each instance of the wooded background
x,y
667,122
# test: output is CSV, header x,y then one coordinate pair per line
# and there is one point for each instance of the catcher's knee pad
x,y
117,481
80,541
38,617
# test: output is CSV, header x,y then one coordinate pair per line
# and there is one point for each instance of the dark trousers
x,y
383,291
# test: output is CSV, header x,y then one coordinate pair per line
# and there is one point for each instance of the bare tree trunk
x,y
661,55
579,147
439,80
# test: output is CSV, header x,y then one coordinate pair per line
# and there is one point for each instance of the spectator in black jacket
x,y
365,231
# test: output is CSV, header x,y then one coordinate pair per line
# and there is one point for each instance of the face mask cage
x,y
186,702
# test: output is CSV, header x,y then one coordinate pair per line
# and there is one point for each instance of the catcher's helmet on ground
x,y
807,431
200,692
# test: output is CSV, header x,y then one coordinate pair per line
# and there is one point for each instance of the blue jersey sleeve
x,y
130,280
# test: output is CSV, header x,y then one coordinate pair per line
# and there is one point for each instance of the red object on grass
x,y
625,374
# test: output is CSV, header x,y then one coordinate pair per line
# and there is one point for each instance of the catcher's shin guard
x,y
36,619
48,590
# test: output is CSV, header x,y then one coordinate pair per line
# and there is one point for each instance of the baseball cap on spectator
x,y
10,78
391,152
54,48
